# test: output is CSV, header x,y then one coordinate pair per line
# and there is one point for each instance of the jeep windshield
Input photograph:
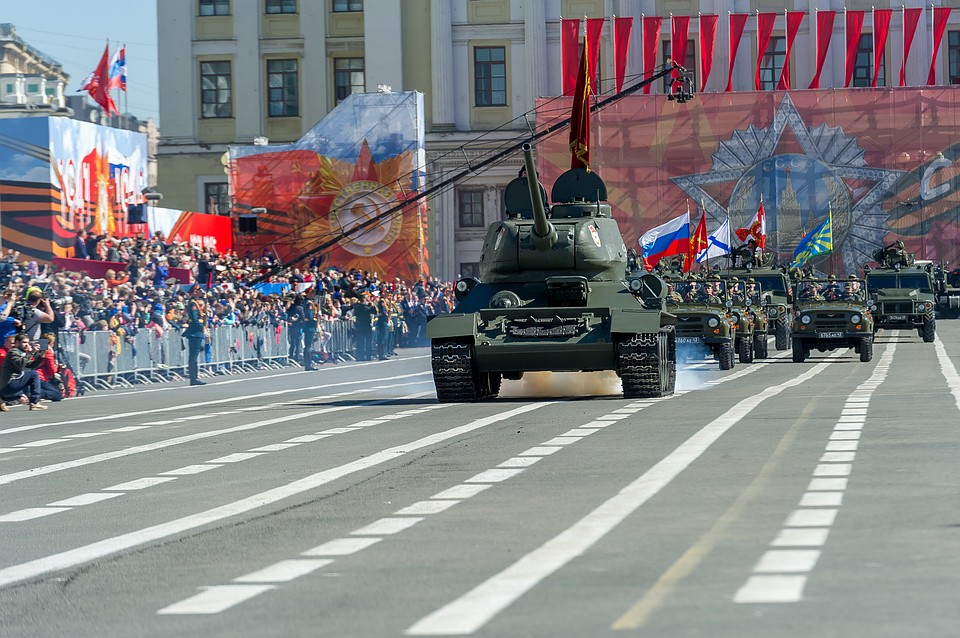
x,y
771,284
918,281
875,282
823,290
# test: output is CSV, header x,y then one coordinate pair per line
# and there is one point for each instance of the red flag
x,y
910,19
794,18
708,38
737,22
881,27
854,27
621,47
765,22
580,117
940,16
569,42
651,40
698,243
594,31
679,28
98,85
824,33
756,229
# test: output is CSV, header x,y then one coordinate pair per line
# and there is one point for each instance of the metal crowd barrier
x,y
101,359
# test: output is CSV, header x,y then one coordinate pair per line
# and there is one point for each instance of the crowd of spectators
x,y
140,294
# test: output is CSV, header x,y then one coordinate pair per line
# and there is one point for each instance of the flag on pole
x,y
580,118
672,238
698,243
818,241
98,84
118,69
718,243
757,228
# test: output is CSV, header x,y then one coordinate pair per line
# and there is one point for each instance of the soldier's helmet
x,y
751,280
852,277
733,280
900,244
832,278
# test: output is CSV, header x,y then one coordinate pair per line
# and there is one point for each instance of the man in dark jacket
x,y
80,246
18,374
196,318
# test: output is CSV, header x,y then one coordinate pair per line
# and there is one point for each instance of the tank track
x,y
645,365
453,373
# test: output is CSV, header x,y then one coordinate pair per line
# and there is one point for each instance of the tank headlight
x,y
635,285
713,322
805,319
855,318
462,286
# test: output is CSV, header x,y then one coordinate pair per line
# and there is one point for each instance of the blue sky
x,y
74,33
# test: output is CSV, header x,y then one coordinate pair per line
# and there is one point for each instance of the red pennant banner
x,y
940,16
881,28
594,31
737,22
569,53
708,39
679,28
651,40
824,33
910,19
765,22
794,18
621,47
854,27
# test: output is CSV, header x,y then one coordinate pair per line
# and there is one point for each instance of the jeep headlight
x,y
713,322
855,318
736,317
772,312
805,319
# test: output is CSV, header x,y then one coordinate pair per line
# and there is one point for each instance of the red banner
x,y
794,18
708,40
765,22
594,31
651,40
824,33
580,115
940,16
679,27
854,27
98,269
737,22
621,47
881,28
910,19
211,232
569,53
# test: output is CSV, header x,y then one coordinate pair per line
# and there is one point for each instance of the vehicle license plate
x,y
689,339
897,317
829,335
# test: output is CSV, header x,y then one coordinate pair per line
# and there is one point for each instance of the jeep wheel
x,y
782,334
799,352
866,349
929,332
745,349
725,356
760,346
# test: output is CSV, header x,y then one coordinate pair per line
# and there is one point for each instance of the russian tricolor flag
x,y
672,238
118,69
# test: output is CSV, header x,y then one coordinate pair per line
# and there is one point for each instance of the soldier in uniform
x,y
693,291
310,325
733,286
751,291
811,292
832,290
196,316
852,291
672,295
709,294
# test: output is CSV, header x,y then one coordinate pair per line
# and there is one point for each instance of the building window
x,y
690,64
863,66
216,198
214,7
215,93
283,92
953,51
33,88
772,63
471,209
470,269
348,77
490,76
347,5
281,6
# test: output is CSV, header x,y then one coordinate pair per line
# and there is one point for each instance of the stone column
x,y
441,65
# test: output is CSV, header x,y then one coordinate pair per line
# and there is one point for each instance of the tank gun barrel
x,y
543,235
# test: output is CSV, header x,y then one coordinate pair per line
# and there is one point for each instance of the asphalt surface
x,y
775,499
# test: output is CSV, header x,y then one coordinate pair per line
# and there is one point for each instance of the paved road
x,y
776,499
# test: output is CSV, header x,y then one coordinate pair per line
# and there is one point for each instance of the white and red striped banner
x,y
854,21
708,39
881,28
621,48
794,18
737,22
651,40
824,34
910,19
940,16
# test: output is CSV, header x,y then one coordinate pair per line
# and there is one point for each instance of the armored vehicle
x,y
904,297
702,320
777,300
552,296
831,315
947,288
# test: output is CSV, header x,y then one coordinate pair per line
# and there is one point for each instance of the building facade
x,y
31,83
239,71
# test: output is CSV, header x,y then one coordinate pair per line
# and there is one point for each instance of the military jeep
x,y
777,298
904,297
749,306
830,315
702,320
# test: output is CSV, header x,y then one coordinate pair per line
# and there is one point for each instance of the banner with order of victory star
x,y
364,159
887,161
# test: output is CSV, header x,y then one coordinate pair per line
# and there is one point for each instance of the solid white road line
x,y
474,609
93,551
948,369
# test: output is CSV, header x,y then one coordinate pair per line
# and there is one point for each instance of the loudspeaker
x,y
135,214
247,224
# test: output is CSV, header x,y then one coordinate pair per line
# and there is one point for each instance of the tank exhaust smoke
x,y
563,384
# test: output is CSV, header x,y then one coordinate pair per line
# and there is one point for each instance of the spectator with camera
x,y
35,311
18,375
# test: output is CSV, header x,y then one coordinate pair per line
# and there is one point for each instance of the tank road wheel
x,y
782,334
929,332
726,356
760,346
644,364
454,372
866,349
745,349
492,382
799,352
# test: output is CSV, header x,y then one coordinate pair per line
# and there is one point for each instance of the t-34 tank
x,y
552,297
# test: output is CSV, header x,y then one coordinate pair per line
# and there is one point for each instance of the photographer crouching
x,y
19,379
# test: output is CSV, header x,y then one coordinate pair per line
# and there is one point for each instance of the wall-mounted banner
x,y
209,232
